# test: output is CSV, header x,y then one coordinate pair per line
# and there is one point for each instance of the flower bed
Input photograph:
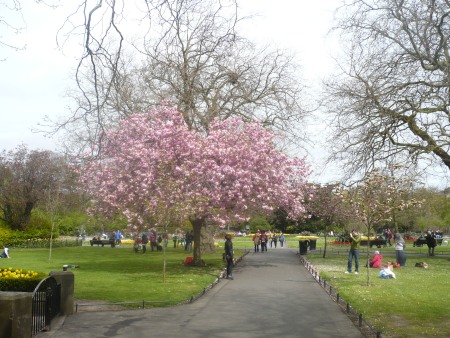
x,y
19,280
307,237
338,243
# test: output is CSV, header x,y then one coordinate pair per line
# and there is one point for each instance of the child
x,y
376,261
387,272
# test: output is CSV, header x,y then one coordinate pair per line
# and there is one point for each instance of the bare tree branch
x,y
192,57
393,99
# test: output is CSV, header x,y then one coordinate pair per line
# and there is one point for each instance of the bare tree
x,y
201,63
192,57
392,100
13,20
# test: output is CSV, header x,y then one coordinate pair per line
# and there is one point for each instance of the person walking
x,y
144,242
389,236
355,238
264,241
256,241
282,239
275,240
153,244
175,240
399,243
189,239
229,255
118,237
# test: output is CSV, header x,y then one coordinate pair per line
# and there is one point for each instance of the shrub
x,y
5,235
19,280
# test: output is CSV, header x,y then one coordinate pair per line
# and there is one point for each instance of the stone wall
x,y
16,307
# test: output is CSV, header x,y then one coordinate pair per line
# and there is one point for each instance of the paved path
x,y
272,295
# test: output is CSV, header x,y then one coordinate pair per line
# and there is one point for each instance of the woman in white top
x,y
399,246
5,253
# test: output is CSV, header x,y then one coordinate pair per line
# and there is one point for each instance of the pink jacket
x,y
376,261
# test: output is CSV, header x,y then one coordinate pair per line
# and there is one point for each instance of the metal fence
x,y
45,304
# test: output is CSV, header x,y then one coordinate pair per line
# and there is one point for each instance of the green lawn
x,y
120,275
416,304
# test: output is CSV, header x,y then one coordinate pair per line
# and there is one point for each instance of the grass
x,y
416,304
120,275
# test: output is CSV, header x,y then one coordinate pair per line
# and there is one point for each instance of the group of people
x,y
261,239
387,234
376,261
180,239
154,240
157,241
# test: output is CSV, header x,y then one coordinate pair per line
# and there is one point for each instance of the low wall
x,y
16,307
15,314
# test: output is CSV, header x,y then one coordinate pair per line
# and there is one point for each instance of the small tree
x,y
327,204
375,201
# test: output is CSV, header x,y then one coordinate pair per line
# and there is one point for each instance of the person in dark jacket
x,y
144,242
263,239
229,255
431,242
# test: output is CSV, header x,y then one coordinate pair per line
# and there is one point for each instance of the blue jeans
x,y
400,256
353,253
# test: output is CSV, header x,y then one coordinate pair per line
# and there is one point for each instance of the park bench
x,y
378,242
103,242
421,241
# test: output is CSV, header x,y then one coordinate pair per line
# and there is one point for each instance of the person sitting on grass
x,y
387,272
376,261
5,253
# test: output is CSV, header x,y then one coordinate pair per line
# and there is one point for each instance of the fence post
x,y
67,281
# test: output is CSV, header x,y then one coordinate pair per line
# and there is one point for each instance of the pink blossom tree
x,y
153,165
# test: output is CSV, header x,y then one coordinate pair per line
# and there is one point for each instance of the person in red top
x,y
264,241
376,261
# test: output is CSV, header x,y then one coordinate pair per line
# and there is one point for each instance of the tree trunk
x,y
368,255
197,225
207,239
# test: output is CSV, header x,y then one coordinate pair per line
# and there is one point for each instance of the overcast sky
x,y
33,81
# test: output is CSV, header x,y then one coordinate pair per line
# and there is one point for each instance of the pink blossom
x,y
152,164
